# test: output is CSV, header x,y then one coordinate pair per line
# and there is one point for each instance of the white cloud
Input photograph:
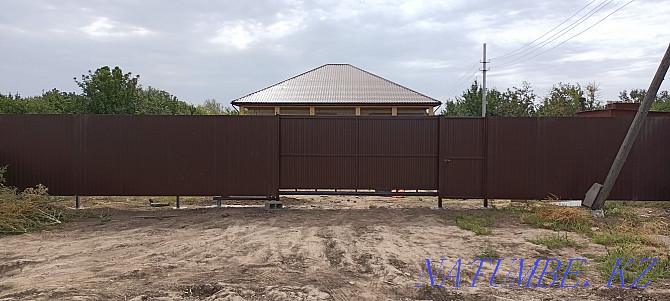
x,y
103,27
241,34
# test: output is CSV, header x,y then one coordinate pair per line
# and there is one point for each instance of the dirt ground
x,y
318,248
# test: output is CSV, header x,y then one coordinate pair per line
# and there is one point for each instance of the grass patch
x,y
576,265
659,271
372,206
488,252
30,210
558,218
619,209
477,224
610,239
557,241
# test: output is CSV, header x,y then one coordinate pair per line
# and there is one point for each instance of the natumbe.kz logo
x,y
523,273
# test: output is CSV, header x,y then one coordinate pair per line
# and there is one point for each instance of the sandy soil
x,y
319,248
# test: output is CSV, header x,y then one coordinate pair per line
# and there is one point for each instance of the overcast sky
x,y
226,49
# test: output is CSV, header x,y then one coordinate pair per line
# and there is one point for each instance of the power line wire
x,y
457,82
581,32
542,36
568,39
560,33
463,84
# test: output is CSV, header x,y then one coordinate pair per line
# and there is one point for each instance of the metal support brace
x,y
76,202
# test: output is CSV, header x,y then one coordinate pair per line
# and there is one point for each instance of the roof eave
x,y
340,104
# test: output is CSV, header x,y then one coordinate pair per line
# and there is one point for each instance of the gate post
x,y
485,164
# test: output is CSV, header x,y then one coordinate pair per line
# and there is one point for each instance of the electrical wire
x,y
542,36
559,34
568,39
458,81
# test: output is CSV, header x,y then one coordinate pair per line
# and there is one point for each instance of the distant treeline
x,y
562,100
108,91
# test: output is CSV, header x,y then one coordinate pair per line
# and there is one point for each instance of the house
x,y
336,89
617,109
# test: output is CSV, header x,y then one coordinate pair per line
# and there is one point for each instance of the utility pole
x,y
633,131
484,83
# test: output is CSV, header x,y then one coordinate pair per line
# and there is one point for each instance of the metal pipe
x,y
356,193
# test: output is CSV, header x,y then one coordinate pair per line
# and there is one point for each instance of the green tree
x,y
11,104
110,91
635,95
158,102
213,107
562,101
469,104
513,102
593,96
64,102
661,103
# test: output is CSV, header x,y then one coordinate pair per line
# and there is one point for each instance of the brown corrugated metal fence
x,y
359,153
142,155
518,158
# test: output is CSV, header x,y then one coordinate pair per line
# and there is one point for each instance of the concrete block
x,y
591,195
273,205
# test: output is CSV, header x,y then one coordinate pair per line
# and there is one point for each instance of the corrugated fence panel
x,y
512,157
398,152
534,158
462,157
142,155
318,152
652,150
358,152
41,149
603,139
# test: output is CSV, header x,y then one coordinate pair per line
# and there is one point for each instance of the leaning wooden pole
x,y
633,131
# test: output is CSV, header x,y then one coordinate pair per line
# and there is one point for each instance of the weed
x,y
487,252
557,241
576,266
2,174
477,224
623,253
619,209
372,206
609,239
29,210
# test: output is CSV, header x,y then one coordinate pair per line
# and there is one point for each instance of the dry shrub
x,y
29,210
562,214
